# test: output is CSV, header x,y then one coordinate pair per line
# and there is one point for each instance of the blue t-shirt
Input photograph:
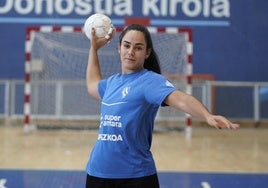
x,y
128,109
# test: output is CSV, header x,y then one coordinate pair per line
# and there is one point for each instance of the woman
x,y
121,156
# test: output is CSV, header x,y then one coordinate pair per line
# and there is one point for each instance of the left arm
x,y
192,106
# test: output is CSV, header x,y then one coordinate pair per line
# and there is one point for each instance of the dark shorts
x,y
143,182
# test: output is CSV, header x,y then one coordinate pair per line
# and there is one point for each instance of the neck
x,y
127,71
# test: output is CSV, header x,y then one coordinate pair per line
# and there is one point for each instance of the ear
x,y
148,52
118,48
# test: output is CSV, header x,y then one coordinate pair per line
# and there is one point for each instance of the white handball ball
x,y
100,22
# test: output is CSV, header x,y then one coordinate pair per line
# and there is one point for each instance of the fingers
x,y
98,42
102,40
222,122
93,32
110,34
107,37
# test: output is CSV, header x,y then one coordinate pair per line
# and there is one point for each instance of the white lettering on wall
x,y
24,6
189,8
64,7
192,8
123,8
67,7
47,4
221,8
7,7
161,8
83,7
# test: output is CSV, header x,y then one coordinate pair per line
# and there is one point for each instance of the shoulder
x,y
153,77
108,80
112,78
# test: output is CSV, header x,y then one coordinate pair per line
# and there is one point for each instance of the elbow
x,y
89,90
92,90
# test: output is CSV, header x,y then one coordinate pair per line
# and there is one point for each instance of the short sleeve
x,y
102,87
157,89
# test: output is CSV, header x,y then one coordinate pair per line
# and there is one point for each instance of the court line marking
x,y
205,184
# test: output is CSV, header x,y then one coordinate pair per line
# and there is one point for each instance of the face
x,y
133,51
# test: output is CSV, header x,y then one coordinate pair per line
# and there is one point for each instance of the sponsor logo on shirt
x,y
110,121
125,91
168,83
110,137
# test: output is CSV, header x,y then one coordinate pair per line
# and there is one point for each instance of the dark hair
x,y
152,62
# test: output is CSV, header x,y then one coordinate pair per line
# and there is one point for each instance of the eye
x,y
138,48
126,45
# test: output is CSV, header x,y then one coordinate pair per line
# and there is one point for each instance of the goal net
x,y
56,61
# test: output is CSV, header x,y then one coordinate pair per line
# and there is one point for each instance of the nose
x,y
131,51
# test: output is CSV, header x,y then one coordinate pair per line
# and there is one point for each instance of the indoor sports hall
x,y
214,50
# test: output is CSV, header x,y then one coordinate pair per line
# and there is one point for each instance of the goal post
x,y
55,64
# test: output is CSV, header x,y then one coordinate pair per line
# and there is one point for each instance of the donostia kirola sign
x,y
157,8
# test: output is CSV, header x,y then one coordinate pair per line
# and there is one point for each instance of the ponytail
x,y
152,63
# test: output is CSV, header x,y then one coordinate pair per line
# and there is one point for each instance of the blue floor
x,y
76,179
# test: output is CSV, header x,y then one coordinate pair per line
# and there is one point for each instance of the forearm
x,y
195,108
192,106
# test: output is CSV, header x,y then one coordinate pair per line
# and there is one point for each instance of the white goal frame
x,y
30,32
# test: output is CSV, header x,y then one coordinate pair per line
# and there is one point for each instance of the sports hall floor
x,y
210,159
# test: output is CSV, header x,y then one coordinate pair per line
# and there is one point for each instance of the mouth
x,y
130,59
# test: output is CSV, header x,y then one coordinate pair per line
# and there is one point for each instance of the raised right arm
x,y
93,73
